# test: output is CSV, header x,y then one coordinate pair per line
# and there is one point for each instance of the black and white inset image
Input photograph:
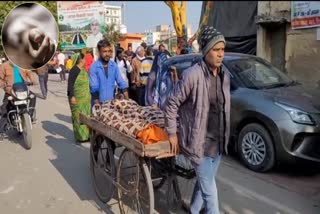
x,y
30,35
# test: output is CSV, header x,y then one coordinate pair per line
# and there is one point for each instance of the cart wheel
x,y
173,194
102,165
133,175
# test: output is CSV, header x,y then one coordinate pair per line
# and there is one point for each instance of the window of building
x,y
108,12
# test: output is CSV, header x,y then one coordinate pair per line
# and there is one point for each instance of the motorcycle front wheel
x,y
27,130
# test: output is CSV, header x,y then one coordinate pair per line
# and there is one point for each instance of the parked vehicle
x,y
272,117
19,112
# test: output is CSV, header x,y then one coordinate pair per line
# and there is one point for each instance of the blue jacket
x,y
102,86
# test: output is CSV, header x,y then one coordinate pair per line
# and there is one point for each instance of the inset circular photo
x,y
30,36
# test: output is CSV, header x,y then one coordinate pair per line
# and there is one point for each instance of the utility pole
x,y
122,12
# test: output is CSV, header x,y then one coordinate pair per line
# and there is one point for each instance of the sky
x,y
141,16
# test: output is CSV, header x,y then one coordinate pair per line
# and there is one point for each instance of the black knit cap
x,y
208,37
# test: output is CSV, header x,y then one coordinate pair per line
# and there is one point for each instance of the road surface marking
x,y
255,195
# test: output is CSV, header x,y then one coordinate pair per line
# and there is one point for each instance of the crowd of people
x,y
126,75
201,95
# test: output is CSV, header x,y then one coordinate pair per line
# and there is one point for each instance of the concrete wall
x,y
130,38
269,11
303,56
302,50
274,8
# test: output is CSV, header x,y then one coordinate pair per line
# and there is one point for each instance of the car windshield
x,y
258,74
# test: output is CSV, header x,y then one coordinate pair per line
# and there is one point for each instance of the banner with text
x,y
305,14
81,23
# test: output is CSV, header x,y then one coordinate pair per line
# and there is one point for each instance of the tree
x,y
179,21
7,6
111,34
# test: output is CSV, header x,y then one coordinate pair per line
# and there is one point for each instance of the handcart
x,y
140,170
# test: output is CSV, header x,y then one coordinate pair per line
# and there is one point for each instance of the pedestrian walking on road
x,y
43,80
79,97
61,61
202,99
69,64
141,67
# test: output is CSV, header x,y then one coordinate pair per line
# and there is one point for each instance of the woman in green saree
x,y
79,97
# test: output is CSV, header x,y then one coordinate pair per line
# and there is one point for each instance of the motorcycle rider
x,y
9,75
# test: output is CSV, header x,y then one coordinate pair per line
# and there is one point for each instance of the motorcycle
x,y
19,116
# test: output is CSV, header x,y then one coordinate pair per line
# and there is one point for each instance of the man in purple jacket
x,y
202,98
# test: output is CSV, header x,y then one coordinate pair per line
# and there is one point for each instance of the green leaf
x,y
111,34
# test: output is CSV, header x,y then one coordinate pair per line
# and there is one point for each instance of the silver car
x,y
273,119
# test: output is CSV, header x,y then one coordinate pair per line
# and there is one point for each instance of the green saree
x,y
82,94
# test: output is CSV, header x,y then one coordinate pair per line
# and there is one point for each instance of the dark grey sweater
x,y
191,101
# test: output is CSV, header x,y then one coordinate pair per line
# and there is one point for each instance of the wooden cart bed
x,y
143,150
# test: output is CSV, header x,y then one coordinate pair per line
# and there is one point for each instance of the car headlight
x,y
297,115
22,95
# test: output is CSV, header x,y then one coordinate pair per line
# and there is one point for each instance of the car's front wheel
x,y
255,148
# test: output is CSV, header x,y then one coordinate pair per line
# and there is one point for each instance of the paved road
x,y
53,177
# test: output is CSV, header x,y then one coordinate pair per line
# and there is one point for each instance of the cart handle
x,y
166,155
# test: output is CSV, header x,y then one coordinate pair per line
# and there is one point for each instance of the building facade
x,y
113,15
162,28
130,39
152,37
162,33
295,51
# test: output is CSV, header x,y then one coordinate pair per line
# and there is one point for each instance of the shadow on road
x,y
58,129
301,169
38,95
72,162
64,118
58,93
14,137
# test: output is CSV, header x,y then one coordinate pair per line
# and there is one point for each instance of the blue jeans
x,y
43,81
205,190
